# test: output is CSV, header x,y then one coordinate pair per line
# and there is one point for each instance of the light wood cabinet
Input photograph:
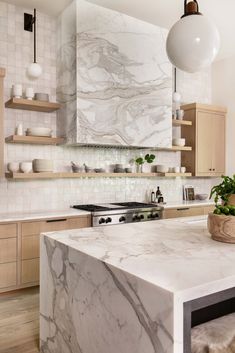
x,y
20,249
8,255
207,137
178,212
30,242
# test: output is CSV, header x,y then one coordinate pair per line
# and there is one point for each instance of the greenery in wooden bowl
x,y
222,192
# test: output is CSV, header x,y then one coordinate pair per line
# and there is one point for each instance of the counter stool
x,y
216,336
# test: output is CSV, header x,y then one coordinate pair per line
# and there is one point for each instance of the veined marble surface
x,y
122,289
122,76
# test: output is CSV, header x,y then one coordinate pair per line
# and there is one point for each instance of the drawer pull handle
x,y
56,220
183,209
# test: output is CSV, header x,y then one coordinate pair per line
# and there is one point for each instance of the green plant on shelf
x,y
149,158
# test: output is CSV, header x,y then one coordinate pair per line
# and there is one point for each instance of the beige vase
x,y
231,200
222,228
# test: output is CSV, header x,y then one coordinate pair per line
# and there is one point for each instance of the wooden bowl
x,y
221,228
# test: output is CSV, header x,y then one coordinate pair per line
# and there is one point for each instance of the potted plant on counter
x,y
149,158
221,223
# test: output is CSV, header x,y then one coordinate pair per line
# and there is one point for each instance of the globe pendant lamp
x,y
34,70
194,41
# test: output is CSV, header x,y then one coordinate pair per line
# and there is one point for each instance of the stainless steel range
x,y
123,212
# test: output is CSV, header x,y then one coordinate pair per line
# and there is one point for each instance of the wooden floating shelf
x,y
34,140
174,149
181,122
58,175
32,105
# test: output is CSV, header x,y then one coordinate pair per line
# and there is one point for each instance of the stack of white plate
x,y
42,165
39,131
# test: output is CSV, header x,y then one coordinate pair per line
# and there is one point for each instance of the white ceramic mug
x,y
176,169
29,93
183,169
17,91
19,130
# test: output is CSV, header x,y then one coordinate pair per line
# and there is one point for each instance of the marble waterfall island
x,y
122,289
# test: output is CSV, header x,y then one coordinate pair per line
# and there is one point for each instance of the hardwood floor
x,y
19,321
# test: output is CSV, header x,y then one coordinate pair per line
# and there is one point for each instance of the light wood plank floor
x,y
19,321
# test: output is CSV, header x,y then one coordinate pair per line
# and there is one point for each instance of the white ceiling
x,y
160,12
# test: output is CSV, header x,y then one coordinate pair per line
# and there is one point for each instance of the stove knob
x,y
134,218
141,216
150,216
108,220
156,215
122,219
101,221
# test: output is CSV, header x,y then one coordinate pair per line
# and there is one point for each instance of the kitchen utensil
x,y
182,169
19,130
201,196
44,97
42,165
17,91
26,167
13,167
162,169
178,142
29,93
39,131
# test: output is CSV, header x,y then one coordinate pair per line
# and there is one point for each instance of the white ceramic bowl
x,y
202,196
39,131
178,142
42,165
162,169
13,167
26,167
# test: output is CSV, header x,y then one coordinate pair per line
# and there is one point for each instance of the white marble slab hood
x,y
114,79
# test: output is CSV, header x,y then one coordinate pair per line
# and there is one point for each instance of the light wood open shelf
x,y
32,105
181,122
174,149
35,140
58,175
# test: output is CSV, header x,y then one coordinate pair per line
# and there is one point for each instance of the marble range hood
x,y
114,79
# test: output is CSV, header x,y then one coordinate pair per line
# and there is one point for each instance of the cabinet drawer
x,y
183,212
51,225
30,271
8,231
8,275
30,247
8,250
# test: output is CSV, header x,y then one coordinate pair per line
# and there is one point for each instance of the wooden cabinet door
x,y
205,144
218,160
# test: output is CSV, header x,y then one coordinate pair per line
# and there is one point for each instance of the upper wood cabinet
x,y
207,137
2,75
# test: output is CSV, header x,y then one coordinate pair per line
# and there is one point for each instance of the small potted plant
x,y
221,223
149,158
225,191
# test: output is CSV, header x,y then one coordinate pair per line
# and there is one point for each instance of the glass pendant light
x,y
34,70
194,41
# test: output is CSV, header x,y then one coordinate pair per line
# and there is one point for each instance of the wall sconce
x,y
34,69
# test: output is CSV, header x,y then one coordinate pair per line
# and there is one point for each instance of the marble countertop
x,y
26,216
196,203
177,255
